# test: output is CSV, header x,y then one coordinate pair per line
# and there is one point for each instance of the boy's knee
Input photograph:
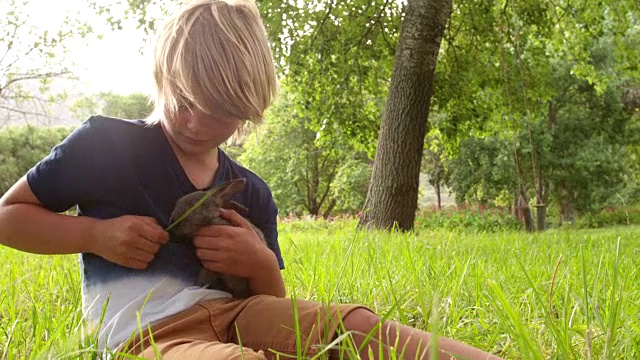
x,y
361,320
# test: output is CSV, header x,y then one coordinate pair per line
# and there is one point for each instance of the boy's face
x,y
196,133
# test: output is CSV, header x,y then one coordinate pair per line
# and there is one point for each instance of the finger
x,y
235,218
148,220
209,242
140,255
220,231
215,266
147,246
153,232
210,255
135,264
211,230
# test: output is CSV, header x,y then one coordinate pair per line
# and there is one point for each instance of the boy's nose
x,y
193,124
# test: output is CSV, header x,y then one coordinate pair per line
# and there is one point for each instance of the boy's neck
x,y
200,170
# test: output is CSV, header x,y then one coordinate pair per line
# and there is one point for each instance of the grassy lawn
x,y
495,291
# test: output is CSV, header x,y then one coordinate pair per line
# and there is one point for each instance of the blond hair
x,y
214,56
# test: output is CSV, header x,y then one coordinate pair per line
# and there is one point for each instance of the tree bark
x,y
438,195
392,197
541,201
522,205
541,217
525,211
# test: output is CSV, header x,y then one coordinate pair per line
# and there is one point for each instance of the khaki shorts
x,y
264,325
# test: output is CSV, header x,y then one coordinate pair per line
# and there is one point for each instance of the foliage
x,y
586,160
608,217
130,106
434,159
494,291
481,219
306,173
495,73
482,172
576,152
32,56
21,147
338,57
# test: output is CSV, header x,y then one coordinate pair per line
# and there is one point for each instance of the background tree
x,y
434,164
21,147
393,191
320,177
507,67
31,58
131,106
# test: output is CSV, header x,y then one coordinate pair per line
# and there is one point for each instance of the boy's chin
x,y
196,149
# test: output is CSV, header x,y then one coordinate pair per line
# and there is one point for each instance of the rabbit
x,y
208,213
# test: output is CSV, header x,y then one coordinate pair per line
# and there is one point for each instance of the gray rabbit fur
x,y
208,213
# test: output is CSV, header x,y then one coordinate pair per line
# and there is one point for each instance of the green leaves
x,y
21,147
32,54
131,106
324,173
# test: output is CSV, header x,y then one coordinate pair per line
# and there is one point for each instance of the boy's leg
x,y
190,334
269,324
412,343
277,325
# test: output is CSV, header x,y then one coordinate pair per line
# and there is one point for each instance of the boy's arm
x,y
26,225
237,250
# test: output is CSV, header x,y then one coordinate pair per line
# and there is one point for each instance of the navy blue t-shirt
x,y
112,167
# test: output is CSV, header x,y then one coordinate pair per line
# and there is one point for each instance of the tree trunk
x,y
566,214
525,211
553,115
522,205
541,217
392,197
541,205
438,195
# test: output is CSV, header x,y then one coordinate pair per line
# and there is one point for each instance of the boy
x,y
213,71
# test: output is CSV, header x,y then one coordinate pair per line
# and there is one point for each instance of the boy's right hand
x,y
130,241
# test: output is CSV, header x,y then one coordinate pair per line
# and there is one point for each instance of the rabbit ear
x,y
228,190
239,208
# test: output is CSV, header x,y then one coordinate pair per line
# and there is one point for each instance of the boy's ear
x,y
228,190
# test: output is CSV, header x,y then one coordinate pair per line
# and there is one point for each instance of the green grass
x,y
489,290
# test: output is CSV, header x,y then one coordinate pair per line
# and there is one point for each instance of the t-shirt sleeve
x,y
63,178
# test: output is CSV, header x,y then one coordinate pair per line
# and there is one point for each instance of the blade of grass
x,y
586,304
521,335
613,307
549,317
193,207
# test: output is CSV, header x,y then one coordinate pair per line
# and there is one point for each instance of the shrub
x,y
626,215
21,147
476,219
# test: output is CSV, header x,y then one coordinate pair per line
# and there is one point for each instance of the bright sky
x,y
111,64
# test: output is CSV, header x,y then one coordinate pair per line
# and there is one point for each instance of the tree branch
x,y
24,77
375,21
319,27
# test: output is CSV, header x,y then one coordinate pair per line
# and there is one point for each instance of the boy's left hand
x,y
233,250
